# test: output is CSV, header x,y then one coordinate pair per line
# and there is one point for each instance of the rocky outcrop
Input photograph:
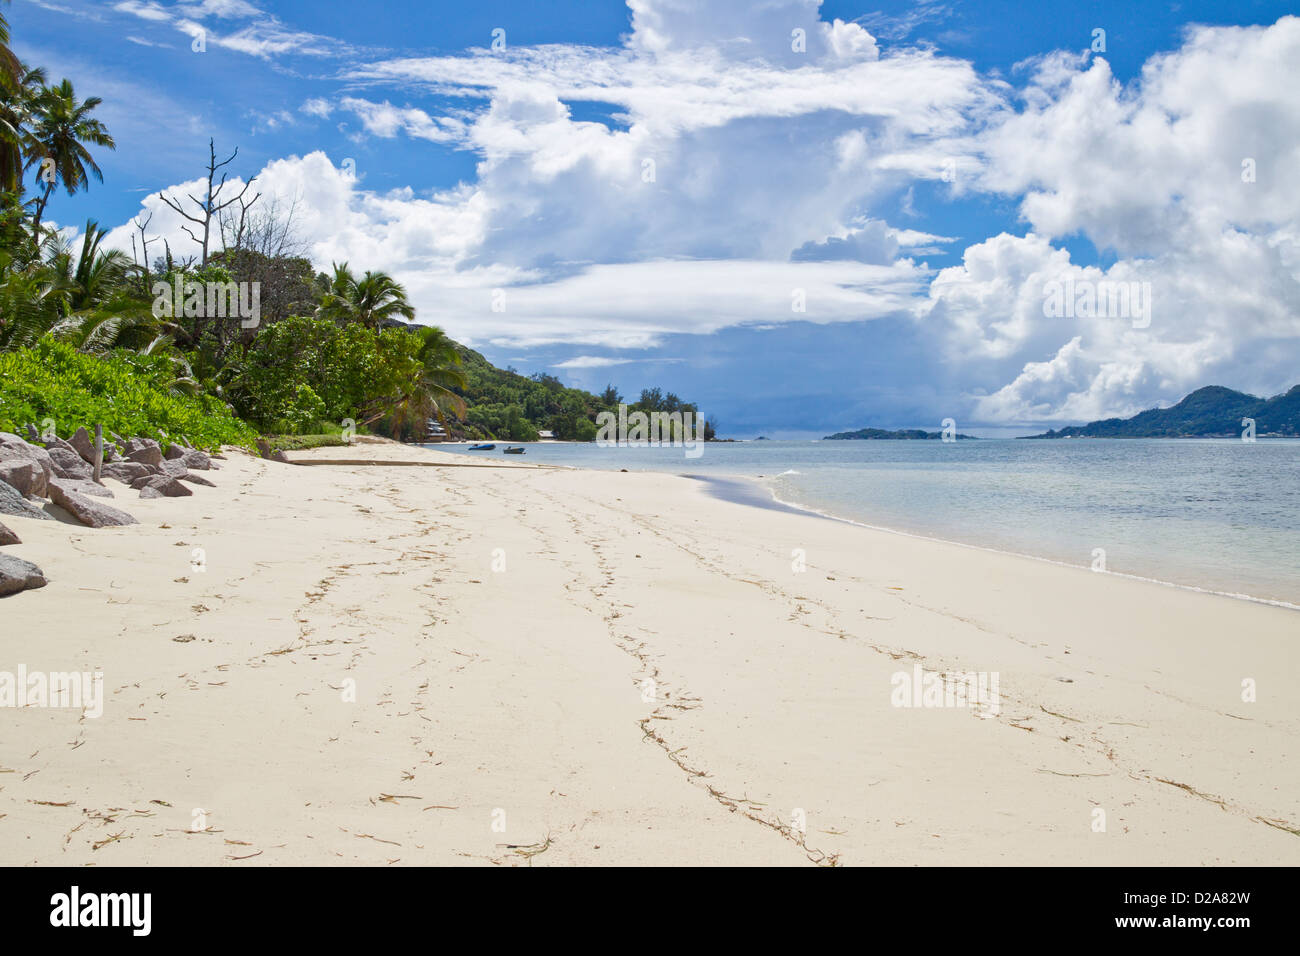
x,y
127,471
84,486
83,445
68,464
8,537
144,450
13,448
91,512
14,504
27,477
160,486
18,575
197,460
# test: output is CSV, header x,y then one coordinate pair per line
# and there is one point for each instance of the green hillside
x,y
1210,412
503,404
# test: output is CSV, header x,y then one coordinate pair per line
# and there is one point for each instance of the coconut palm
x,y
88,299
32,301
102,309
375,300
10,68
61,129
17,99
437,372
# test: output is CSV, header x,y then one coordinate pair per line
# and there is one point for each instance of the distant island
x,y
1210,412
881,433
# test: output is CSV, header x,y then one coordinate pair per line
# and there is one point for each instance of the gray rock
x,y
84,486
15,505
8,537
165,485
26,476
144,450
68,464
83,445
89,511
174,451
127,471
196,460
194,479
18,575
13,448
173,467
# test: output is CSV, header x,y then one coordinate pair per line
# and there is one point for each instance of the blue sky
x,y
917,173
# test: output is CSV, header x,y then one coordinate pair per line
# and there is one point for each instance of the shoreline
x,y
713,481
1272,602
617,668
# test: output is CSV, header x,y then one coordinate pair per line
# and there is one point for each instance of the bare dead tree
x,y
211,206
143,260
233,225
271,230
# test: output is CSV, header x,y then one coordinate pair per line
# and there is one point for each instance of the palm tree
x,y
17,98
32,301
61,129
375,300
437,373
89,299
103,309
10,68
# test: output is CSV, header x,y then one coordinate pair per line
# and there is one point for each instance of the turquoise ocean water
x,y
1219,515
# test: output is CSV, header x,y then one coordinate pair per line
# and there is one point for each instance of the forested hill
x,y
506,405
1210,412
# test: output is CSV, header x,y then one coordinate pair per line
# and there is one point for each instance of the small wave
x,y
1236,595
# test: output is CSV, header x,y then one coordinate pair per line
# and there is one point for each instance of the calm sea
x,y
1220,515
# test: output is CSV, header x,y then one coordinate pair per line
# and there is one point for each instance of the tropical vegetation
x,y
94,335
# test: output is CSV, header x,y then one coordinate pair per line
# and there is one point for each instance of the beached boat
x,y
487,447
513,451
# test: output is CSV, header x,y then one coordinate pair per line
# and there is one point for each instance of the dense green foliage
x,y
511,407
128,393
304,371
302,442
149,345
1210,412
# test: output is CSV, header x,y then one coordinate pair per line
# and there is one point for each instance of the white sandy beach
x,y
501,715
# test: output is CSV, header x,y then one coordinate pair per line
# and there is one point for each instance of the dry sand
x,y
499,629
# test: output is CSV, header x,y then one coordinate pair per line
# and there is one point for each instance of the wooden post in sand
x,y
99,450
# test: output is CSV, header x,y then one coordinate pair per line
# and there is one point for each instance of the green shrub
x,y
301,442
128,393
302,412
303,370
